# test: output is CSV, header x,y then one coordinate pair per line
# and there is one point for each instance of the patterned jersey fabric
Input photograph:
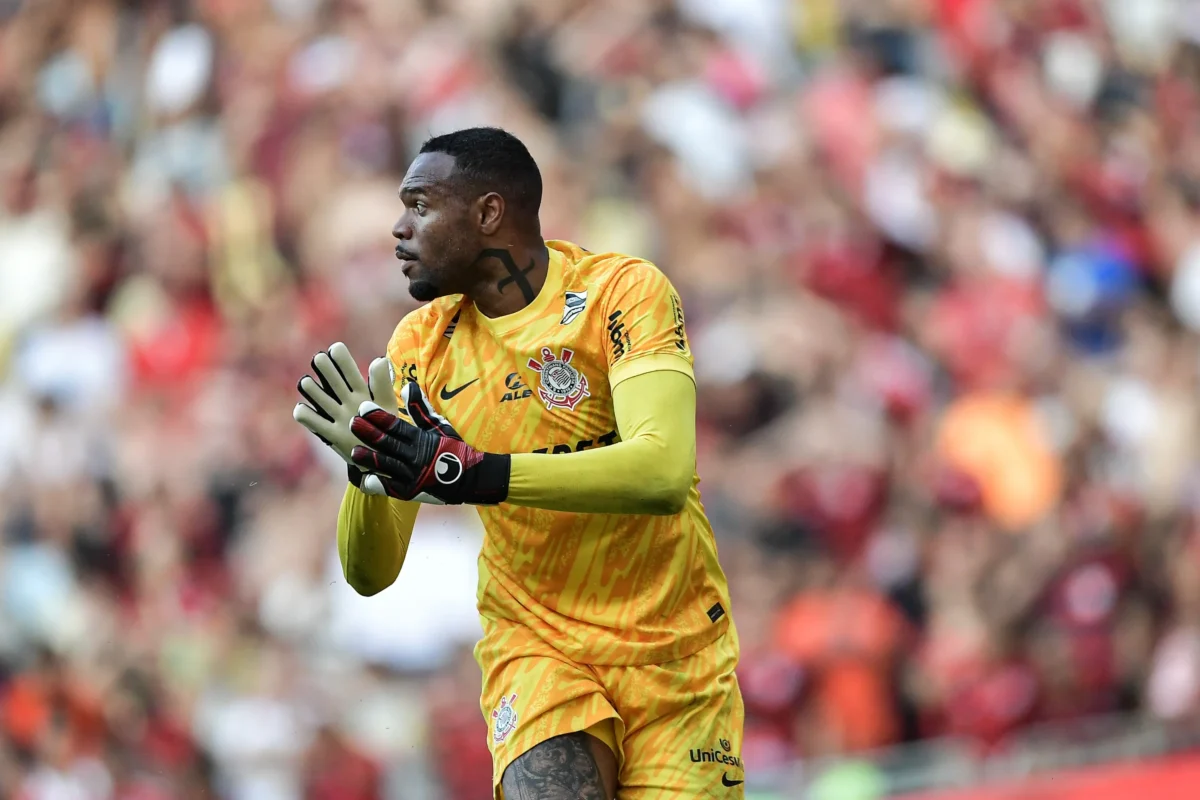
x,y
603,588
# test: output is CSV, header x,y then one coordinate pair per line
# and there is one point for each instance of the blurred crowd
x,y
941,265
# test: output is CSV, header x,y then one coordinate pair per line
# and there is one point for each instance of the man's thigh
x,y
682,726
532,695
573,766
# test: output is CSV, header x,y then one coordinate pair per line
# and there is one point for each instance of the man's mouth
x,y
407,260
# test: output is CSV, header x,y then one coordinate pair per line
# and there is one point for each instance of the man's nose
x,y
403,228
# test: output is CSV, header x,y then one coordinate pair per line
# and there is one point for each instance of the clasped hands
x,y
423,460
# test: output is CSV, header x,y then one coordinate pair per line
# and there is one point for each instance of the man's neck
x,y
509,278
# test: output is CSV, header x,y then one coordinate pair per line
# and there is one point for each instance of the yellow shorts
x,y
676,728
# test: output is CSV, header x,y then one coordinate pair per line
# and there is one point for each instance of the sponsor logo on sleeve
x,y
617,335
677,313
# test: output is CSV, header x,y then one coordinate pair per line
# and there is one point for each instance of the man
x,y
552,388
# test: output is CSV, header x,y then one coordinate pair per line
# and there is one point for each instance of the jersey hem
x,y
541,624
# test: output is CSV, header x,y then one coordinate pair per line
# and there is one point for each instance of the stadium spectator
x,y
942,265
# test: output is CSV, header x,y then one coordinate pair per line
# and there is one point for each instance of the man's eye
x,y
419,207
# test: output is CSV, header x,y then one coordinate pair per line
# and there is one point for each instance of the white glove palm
x,y
335,400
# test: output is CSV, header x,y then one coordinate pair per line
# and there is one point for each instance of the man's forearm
x,y
650,472
625,478
373,536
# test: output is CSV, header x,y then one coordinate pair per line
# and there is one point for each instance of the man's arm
x,y
373,535
654,401
374,531
649,471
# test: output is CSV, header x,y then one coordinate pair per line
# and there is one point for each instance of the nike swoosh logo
x,y
451,395
726,782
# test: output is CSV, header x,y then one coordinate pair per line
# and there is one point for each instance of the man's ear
x,y
491,213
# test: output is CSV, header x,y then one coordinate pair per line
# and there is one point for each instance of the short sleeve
x,y
644,324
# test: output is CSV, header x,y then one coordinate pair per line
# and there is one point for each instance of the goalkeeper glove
x,y
427,461
335,400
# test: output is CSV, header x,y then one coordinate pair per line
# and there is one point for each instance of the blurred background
x,y
941,264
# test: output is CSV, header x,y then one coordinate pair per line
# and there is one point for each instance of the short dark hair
x,y
493,160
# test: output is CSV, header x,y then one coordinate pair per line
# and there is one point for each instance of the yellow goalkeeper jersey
x,y
601,588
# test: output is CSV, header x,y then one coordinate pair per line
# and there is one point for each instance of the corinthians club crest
x,y
504,718
562,385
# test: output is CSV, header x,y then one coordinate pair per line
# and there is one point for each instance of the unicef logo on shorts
x,y
504,719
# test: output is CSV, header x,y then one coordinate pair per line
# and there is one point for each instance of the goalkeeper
x,y
552,389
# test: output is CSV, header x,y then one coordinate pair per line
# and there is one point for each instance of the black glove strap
x,y
490,480
487,482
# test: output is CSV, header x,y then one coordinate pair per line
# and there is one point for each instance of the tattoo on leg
x,y
561,768
515,274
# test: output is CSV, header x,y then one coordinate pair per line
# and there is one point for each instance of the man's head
x,y
466,192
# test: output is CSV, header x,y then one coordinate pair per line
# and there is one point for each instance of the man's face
x,y
438,237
